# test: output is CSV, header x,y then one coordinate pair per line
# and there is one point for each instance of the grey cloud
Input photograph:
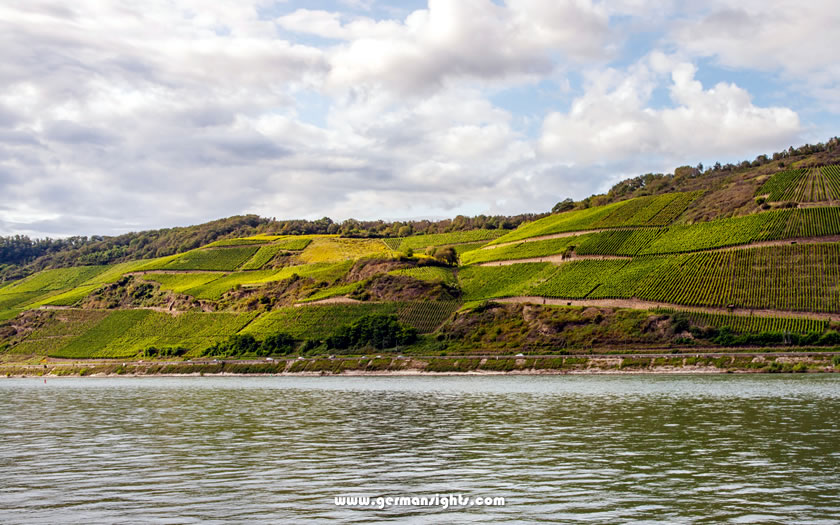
x,y
72,133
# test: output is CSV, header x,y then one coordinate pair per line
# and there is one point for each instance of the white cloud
x,y
614,119
797,39
475,39
116,116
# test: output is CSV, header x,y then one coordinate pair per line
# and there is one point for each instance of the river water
x,y
567,449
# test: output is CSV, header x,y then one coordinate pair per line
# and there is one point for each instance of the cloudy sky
x,y
119,116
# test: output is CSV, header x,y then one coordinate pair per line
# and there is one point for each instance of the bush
x,y
378,331
238,345
174,351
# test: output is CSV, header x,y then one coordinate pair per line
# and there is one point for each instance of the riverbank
x,y
446,365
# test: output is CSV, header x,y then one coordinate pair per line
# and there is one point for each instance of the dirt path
x,y
176,272
638,304
780,242
331,300
762,244
545,237
759,244
163,309
556,259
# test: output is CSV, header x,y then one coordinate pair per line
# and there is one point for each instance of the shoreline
x,y
416,372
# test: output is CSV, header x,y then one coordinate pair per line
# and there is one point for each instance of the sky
x,y
120,116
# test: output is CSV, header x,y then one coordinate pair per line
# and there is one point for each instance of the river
x,y
567,449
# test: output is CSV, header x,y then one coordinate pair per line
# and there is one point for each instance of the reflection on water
x,y
752,449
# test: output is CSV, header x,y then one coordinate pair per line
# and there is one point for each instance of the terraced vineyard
x,y
523,250
767,226
216,259
263,256
334,249
421,242
832,178
486,282
801,185
215,288
426,316
658,210
181,282
622,282
67,325
617,242
798,278
315,321
755,324
757,278
428,273
333,291
51,280
68,298
576,280
124,333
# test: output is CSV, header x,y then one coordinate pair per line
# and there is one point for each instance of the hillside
x,y
641,274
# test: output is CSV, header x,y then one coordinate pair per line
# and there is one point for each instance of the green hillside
x,y
637,273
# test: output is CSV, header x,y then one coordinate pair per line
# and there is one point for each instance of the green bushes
x,y
377,331
246,344
153,352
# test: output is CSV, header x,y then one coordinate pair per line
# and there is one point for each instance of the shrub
x,y
378,331
242,344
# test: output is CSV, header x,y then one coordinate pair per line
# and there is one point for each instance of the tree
x,y
564,205
445,254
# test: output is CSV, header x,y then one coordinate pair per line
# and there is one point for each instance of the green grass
x,y
523,250
432,274
485,282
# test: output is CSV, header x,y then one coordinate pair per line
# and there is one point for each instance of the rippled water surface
x,y
715,449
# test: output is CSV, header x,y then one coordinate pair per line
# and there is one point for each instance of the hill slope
x,y
640,273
